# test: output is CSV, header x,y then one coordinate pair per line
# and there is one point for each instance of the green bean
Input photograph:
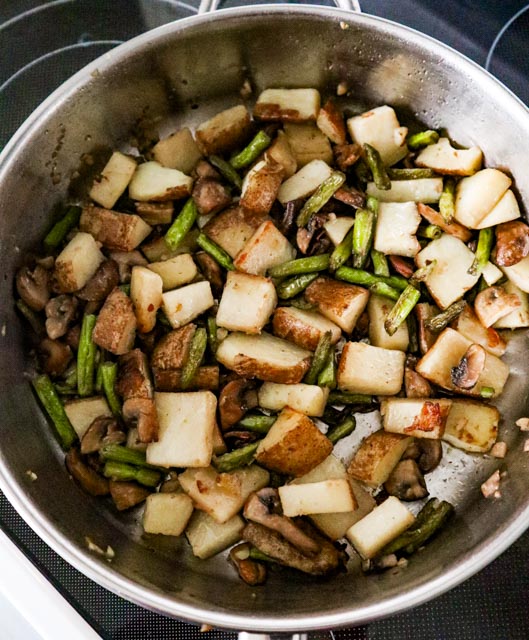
x,y
380,263
237,458
362,172
410,174
402,309
422,139
372,204
227,171
216,252
342,430
320,197
319,358
60,229
52,404
327,377
487,392
211,325
447,201
485,240
123,472
439,322
431,232
342,252
86,356
301,303
366,279
196,353
257,423
363,234
378,170
301,265
125,288
31,316
421,274
260,142
181,225
383,289
109,373
258,556
296,285
119,453
341,397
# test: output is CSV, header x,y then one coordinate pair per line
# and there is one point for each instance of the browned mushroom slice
x,y
127,494
171,484
141,412
512,243
134,379
101,283
206,170
406,481
72,336
416,386
60,312
346,155
211,270
125,261
102,431
313,239
210,196
350,196
424,312
494,303
233,402
466,374
55,356
33,286
401,266
88,478
430,454
250,571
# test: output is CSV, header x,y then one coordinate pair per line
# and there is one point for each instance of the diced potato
x,y
208,537
81,413
172,349
287,105
206,378
436,365
472,426
516,319
232,228
267,248
506,210
381,526
327,496
308,143
377,456
247,302
491,274
340,302
264,357
420,418
115,328
260,186
372,370
154,213
397,224
113,180
444,158
493,303
176,271
304,328
154,182
518,274
224,132
281,152
185,304
178,151
378,308
309,399
477,195
146,294
167,513
330,122
381,129
77,263
294,445
338,229
118,231
449,279
303,183
424,190
185,438
222,495
469,326
219,446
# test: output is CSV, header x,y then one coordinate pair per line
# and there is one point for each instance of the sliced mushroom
x,y
205,170
72,336
233,402
350,196
125,261
90,480
141,412
60,312
264,507
493,303
406,481
431,452
512,243
33,286
250,571
171,484
287,222
415,385
423,313
55,356
127,494
134,380
465,375
210,196
307,237
401,266
211,270
346,155
102,431
101,283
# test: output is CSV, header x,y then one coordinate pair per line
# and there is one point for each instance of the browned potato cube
x,y
340,302
267,248
372,370
177,151
330,122
173,348
224,132
287,105
115,328
308,143
281,152
304,328
231,229
206,378
118,231
377,457
468,325
261,185
420,418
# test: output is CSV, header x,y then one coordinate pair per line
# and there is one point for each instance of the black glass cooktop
x,y
44,42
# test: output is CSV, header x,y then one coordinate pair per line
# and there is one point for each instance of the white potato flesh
x,y
113,180
419,418
468,324
472,426
426,190
437,363
449,279
381,129
338,229
327,496
291,105
330,122
378,308
77,262
247,302
443,158
518,274
260,187
184,304
506,210
304,182
146,289
281,152
491,274
185,438
304,328
381,526
309,399
178,151
478,194
167,513
267,248
371,370
208,537
519,317
493,303
340,302
396,226
225,131
308,143
81,413
151,181
377,456
176,271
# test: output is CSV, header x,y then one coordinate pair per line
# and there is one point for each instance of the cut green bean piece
x,y
226,171
296,285
123,472
487,392
372,204
216,252
53,406
119,453
86,357
235,459
319,358
327,377
109,374
439,322
378,170
380,263
259,556
125,288
181,225
363,234
447,200
342,252
196,353
342,430
485,240
301,265
257,423
430,232
411,174
422,139
260,142
320,197
422,274
362,171
301,303
60,229
383,289
402,309
213,341
341,397
366,279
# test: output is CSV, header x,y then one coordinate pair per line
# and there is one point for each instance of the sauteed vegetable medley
x,y
209,322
